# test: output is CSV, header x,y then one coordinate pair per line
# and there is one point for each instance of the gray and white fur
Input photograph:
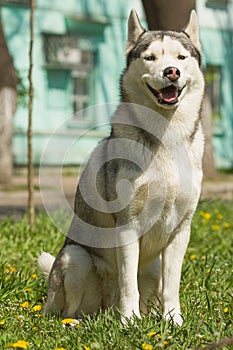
x,y
145,199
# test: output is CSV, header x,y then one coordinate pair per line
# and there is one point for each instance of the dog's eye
x,y
150,58
181,57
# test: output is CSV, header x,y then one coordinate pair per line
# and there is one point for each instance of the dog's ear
x,y
192,30
135,29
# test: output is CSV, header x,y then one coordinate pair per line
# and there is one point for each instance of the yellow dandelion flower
x,y
151,334
67,320
192,257
165,343
2,322
216,227
146,346
34,275
59,349
207,216
72,322
20,344
158,335
25,305
37,308
11,269
87,348
220,216
225,310
226,225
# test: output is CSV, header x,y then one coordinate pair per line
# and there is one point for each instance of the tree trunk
x,y
174,15
8,99
209,169
169,14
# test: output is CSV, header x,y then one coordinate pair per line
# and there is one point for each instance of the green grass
x,y
206,292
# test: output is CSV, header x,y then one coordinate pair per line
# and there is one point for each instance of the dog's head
x,y
165,64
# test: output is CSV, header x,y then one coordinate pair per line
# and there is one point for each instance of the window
x,y
75,54
81,90
213,80
218,4
16,2
67,51
213,85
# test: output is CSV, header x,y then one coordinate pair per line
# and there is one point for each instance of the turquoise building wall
x,y
216,23
104,25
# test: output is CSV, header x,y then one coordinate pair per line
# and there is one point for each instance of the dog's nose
x,y
171,73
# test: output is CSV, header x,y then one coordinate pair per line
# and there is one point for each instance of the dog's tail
x,y
45,263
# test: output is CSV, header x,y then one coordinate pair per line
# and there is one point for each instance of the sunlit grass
x,y
206,293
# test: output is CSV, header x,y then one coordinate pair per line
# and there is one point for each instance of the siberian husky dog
x,y
137,195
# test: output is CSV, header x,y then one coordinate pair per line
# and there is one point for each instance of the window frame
x,y
217,4
21,3
82,69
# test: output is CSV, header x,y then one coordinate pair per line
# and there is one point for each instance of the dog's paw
x,y
129,319
129,314
174,316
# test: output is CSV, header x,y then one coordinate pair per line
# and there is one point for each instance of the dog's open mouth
x,y
168,95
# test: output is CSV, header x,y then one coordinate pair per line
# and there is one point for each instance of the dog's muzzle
x,y
168,95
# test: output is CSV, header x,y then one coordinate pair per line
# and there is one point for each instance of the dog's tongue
x,y
168,94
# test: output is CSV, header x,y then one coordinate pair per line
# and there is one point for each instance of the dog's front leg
x,y
172,259
127,260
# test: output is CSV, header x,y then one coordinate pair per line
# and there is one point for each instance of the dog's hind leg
x,y
56,295
73,285
78,272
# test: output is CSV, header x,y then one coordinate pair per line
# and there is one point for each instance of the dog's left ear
x,y
135,29
192,29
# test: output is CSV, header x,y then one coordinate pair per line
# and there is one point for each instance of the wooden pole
x,y
31,205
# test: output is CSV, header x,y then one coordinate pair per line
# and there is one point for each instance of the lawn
x,y
206,292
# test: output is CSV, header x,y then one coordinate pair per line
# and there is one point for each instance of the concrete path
x,y
59,189
51,189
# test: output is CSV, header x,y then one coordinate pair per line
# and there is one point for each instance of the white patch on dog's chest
x,y
173,194
165,192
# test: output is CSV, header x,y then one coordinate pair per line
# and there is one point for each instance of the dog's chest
x,y
165,192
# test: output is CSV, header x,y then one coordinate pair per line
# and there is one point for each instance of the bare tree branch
x,y
31,206
224,342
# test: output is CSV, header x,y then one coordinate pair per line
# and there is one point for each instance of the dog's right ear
x,y
135,29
